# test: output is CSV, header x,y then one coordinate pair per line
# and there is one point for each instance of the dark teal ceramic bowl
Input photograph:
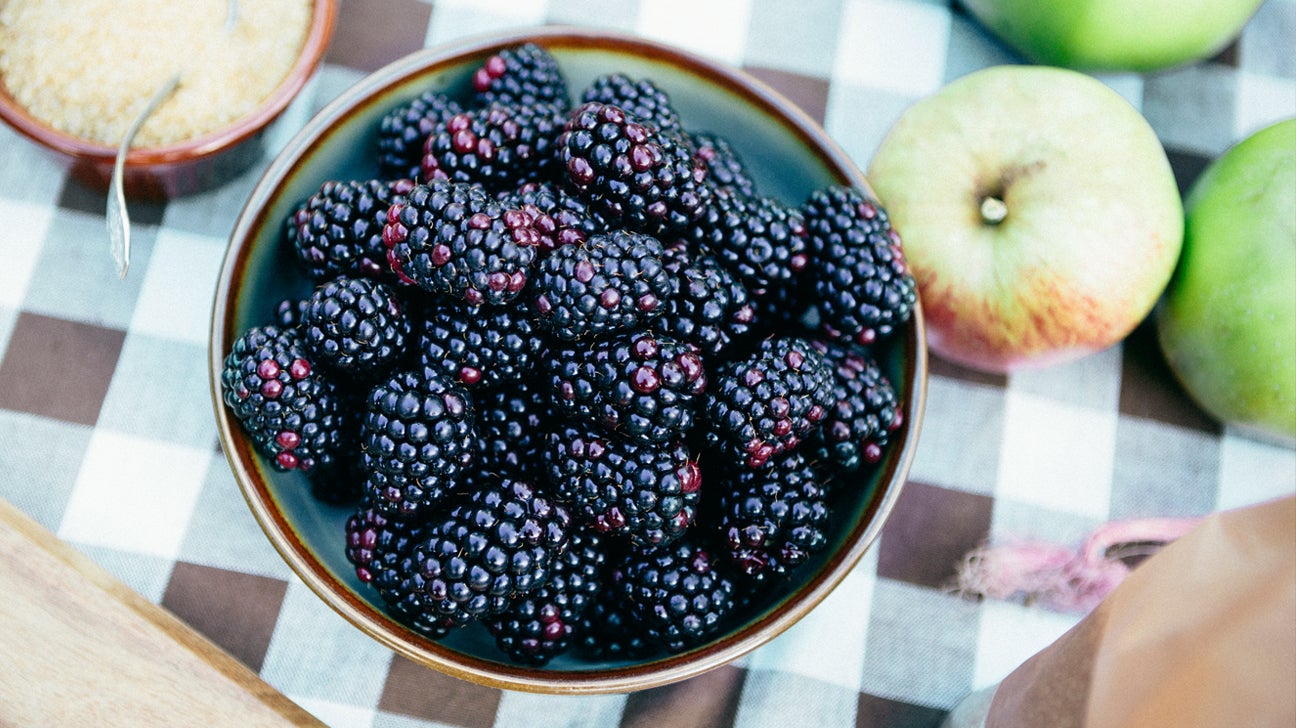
x,y
788,155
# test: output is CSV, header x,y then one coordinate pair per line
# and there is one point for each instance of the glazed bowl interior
x,y
192,164
788,156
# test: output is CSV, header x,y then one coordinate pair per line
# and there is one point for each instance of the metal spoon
x,y
118,218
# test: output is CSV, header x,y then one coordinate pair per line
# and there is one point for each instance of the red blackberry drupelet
x,y
524,75
403,130
768,403
455,238
640,386
629,174
612,282
288,408
646,493
497,146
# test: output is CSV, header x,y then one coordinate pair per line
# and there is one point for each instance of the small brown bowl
x,y
156,173
787,153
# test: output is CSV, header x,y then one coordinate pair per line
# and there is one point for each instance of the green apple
x,y
1227,323
1114,35
1039,215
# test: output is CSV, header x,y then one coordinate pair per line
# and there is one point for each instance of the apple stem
x,y
993,210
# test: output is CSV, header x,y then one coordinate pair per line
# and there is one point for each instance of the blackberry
x,y
285,406
629,174
512,430
642,99
338,231
647,493
418,425
402,131
406,496
759,239
454,238
857,428
725,168
478,346
524,75
558,217
380,547
863,285
376,541
708,306
356,326
773,519
496,146
539,626
484,553
641,386
680,593
613,282
609,630
767,403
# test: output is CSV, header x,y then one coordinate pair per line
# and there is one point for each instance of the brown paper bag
x,y
1202,634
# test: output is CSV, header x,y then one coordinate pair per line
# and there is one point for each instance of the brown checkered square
x,y
874,712
807,92
58,368
929,532
374,33
421,692
1149,389
236,611
709,700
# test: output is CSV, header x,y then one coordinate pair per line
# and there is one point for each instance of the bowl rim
x,y
319,34
401,639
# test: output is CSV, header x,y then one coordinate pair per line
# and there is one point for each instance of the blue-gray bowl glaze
x,y
787,154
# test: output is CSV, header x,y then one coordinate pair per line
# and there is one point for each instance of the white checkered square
x,y
1252,471
134,494
522,710
920,646
1261,101
334,714
75,278
1009,634
160,390
858,119
175,300
800,37
455,19
961,418
37,177
311,640
8,318
618,15
26,225
225,535
892,45
828,643
1091,381
1128,85
777,700
714,28
1056,455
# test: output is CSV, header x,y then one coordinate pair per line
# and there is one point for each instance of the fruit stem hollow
x,y
993,210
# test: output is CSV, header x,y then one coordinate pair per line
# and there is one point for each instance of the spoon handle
x,y
118,219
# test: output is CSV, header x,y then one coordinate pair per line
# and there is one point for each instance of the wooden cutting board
x,y
79,648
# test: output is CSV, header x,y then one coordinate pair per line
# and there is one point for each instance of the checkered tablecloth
x,y
108,439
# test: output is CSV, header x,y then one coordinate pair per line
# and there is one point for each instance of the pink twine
x,y
1064,579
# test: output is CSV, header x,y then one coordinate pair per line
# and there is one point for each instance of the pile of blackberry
x,y
552,359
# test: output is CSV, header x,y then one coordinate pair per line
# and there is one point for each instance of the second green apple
x,y
1114,35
